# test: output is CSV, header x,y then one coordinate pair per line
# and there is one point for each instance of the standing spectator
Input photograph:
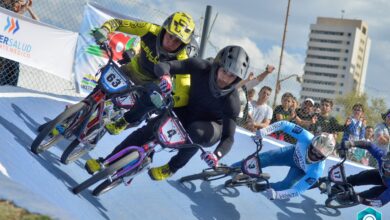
x,y
261,115
317,108
324,122
9,69
244,86
283,112
355,130
305,113
382,133
369,136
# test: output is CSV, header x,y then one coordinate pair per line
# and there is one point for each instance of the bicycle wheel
x,y
106,186
37,146
112,168
242,179
73,152
209,174
339,200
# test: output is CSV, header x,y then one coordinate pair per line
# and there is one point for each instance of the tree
x,y
373,108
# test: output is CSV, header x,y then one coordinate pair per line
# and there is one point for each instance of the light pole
x,y
281,52
277,90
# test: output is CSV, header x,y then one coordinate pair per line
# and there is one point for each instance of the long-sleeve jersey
x,y
202,105
312,171
142,65
377,153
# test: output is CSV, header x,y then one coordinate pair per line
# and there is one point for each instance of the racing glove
x,y
210,158
165,84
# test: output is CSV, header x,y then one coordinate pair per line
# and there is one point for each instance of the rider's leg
x,y
365,177
204,133
293,175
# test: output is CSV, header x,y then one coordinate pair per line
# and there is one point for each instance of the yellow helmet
x,y
180,25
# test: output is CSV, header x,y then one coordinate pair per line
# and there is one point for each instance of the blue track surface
x,y
42,184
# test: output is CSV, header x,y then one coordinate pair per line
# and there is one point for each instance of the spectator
x,y
283,112
9,69
244,86
317,108
369,136
261,115
324,122
355,131
305,113
381,132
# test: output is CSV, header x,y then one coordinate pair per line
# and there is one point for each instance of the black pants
x,y
205,133
142,105
368,177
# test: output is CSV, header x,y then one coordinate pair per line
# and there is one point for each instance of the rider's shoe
x,y
258,187
117,127
160,173
93,165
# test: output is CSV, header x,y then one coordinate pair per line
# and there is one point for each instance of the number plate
x,y
112,80
171,133
251,166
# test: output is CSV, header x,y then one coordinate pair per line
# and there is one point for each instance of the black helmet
x,y
384,115
234,60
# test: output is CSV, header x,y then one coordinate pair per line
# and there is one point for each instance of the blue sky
x,y
257,25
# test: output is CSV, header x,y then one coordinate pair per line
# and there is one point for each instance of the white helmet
x,y
324,143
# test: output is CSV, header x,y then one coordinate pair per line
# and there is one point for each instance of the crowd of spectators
x,y
315,117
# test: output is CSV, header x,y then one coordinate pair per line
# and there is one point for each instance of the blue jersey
x,y
312,171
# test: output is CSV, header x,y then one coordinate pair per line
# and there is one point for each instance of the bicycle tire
x,y
106,186
36,146
69,154
247,180
112,168
331,202
208,174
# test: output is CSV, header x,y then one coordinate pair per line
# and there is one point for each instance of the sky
x,y
257,25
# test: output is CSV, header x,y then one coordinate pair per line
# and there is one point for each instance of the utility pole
x,y
203,40
281,55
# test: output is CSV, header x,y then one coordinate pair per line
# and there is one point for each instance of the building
x,y
336,58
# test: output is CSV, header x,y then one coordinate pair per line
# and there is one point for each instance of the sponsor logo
x,y
369,214
12,25
297,129
310,180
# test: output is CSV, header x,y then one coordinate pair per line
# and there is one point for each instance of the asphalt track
x,y
42,184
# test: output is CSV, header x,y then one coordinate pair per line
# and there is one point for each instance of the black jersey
x,y
202,105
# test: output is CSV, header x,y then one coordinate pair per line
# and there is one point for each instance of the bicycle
x,y
86,119
340,193
123,166
248,174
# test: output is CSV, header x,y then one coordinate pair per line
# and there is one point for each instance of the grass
x,y
8,211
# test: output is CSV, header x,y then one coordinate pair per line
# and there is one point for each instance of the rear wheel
x,y
209,174
46,138
112,168
106,186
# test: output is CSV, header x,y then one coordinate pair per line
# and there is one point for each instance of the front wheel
x,y
46,138
73,152
341,200
112,168
209,174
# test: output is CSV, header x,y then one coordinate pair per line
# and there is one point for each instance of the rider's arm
x,y
374,150
191,66
301,186
230,113
290,128
138,28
